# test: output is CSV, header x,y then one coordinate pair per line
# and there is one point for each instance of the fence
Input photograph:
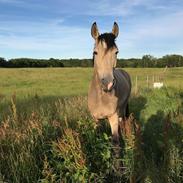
x,y
148,81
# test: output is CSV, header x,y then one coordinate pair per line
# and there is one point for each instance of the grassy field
x,y
73,81
47,134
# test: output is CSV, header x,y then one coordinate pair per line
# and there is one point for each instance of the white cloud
x,y
46,37
49,37
25,4
109,8
121,8
158,36
168,26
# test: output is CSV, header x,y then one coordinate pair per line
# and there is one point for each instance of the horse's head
x,y
105,55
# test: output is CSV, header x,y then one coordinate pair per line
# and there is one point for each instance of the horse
x,y
110,88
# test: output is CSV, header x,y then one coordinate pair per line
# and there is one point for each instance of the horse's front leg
x,y
114,123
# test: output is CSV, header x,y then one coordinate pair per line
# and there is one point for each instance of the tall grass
x,y
54,139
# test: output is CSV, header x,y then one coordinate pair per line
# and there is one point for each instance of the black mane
x,y
109,38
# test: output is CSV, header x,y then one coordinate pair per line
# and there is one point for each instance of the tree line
x,y
145,61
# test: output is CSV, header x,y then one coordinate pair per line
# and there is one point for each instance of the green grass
x,y
44,82
47,134
72,81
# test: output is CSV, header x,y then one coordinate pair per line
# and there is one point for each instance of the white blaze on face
x,y
109,86
104,45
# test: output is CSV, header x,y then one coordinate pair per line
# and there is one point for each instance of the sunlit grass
x,y
74,81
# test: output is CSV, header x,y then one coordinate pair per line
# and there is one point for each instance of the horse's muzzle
x,y
108,86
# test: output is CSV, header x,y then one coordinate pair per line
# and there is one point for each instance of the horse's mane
x,y
109,38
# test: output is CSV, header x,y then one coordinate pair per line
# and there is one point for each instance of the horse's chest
x,y
102,106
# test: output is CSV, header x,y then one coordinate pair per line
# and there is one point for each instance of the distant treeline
x,y
145,61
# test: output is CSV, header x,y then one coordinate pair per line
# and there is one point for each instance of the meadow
x,y
73,81
47,134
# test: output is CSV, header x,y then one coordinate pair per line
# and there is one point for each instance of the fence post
x,y
153,78
136,85
147,81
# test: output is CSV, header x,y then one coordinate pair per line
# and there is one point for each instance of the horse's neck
x,y
96,80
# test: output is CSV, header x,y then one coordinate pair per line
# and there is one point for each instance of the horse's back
x,y
123,90
123,78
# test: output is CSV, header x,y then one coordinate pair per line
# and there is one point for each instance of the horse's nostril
x,y
114,81
103,81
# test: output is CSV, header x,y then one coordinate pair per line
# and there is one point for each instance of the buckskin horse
x,y
110,87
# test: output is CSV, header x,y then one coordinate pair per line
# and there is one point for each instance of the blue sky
x,y
61,28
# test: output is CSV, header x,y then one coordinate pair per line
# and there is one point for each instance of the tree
x,y
2,62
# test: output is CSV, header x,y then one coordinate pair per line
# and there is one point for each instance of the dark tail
x,y
127,111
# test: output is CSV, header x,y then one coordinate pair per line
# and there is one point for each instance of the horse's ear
x,y
94,31
115,29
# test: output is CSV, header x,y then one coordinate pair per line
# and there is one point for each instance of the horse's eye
x,y
116,52
95,53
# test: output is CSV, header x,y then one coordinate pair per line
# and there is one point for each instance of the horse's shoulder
x,y
118,72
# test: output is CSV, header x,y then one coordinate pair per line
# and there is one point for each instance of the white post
x,y
136,84
147,81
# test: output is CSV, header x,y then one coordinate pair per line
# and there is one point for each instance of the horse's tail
x,y
127,111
